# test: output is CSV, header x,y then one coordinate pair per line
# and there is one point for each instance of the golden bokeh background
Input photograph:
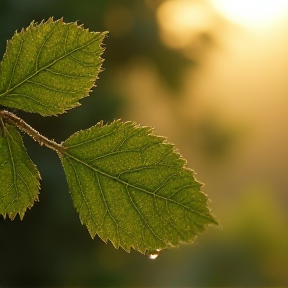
x,y
212,76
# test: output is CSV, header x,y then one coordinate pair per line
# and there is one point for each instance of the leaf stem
x,y
22,125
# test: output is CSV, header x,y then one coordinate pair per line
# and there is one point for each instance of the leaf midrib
x,y
13,166
133,186
49,65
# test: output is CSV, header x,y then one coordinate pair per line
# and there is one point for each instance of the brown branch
x,y
22,125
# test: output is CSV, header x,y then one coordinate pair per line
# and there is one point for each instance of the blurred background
x,y
212,77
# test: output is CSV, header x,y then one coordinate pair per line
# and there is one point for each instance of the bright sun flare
x,y
252,12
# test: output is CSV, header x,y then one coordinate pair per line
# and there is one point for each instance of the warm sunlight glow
x,y
252,12
181,21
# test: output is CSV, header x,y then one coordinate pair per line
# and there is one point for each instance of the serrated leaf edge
x,y
164,140
34,25
21,214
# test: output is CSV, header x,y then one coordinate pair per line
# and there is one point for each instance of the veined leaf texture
x,y
48,67
131,187
128,185
19,177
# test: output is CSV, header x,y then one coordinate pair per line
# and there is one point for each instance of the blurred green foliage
x,y
51,248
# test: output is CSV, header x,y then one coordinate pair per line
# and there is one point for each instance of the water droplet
x,y
154,255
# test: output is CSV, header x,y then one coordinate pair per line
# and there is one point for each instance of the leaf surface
x,y
19,177
131,187
48,67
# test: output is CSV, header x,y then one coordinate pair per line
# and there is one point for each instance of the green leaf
x,y
19,177
48,67
131,187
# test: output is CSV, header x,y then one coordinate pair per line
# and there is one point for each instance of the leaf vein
x,y
90,140
81,191
13,167
68,75
15,65
119,152
163,184
178,190
85,64
29,97
49,87
108,209
42,47
50,64
140,168
136,187
27,187
127,138
143,218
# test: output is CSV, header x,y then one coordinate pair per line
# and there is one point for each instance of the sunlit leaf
x,y
19,177
131,187
48,67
